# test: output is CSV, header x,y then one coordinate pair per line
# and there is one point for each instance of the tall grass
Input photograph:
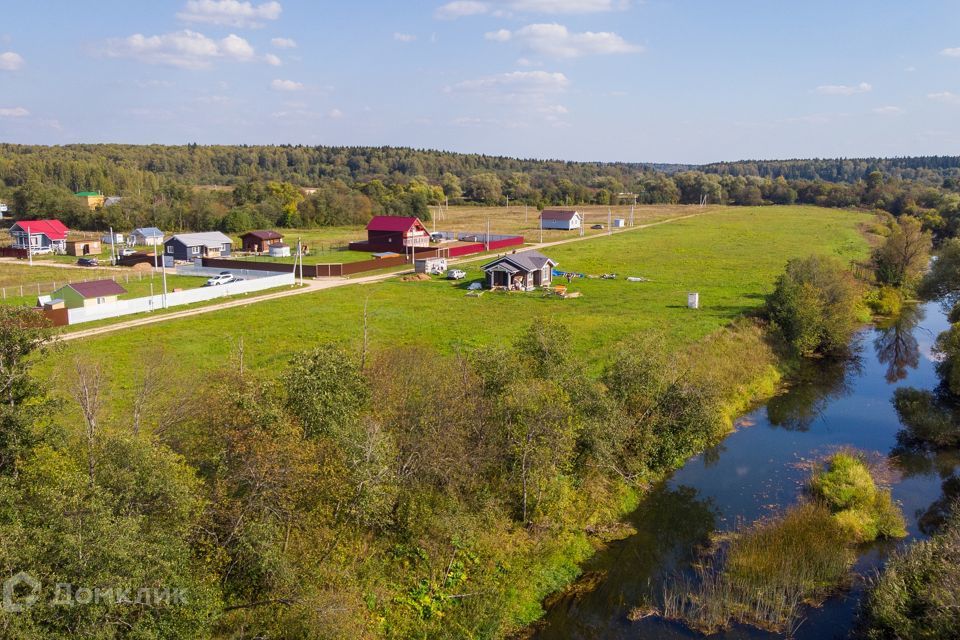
x,y
763,575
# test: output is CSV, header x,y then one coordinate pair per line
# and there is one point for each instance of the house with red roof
x,y
393,233
40,236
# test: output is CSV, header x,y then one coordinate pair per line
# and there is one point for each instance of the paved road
x,y
329,283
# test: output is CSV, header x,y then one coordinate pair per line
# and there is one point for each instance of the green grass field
x,y
37,279
730,256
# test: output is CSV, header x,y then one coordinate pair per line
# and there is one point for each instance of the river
x,y
760,469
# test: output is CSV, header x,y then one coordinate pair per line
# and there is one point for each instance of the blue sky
x,y
636,80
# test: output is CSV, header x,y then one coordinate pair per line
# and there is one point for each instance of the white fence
x,y
155,302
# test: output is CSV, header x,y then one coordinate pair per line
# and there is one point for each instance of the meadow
x,y
731,256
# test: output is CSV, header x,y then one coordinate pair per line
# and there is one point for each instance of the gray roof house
x,y
188,246
522,271
565,219
150,236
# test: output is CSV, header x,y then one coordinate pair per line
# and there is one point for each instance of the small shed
x,y
522,271
433,266
83,247
116,239
619,223
260,241
279,250
88,294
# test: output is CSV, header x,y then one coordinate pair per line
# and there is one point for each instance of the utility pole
x,y
487,238
163,272
113,245
30,246
609,221
541,228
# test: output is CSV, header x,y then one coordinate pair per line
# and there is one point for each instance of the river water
x,y
759,469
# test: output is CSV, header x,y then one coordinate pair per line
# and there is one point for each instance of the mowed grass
x,y
730,256
20,284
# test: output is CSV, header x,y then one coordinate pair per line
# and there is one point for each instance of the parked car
x,y
437,237
87,262
221,278
597,226
456,274
127,252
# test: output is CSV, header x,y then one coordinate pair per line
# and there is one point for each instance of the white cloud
x,y
13,112
284,43
557,41
185,49
844,89
404,37
464,8
952,52
272,60
336,114
888,111
945,96
460,9
514,83
230,13
286,85
10,61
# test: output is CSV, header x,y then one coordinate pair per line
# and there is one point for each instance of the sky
x,y
686,81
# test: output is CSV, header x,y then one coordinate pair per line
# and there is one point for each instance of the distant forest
x,y
158,184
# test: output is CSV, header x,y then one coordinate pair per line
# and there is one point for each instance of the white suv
x,y
222,278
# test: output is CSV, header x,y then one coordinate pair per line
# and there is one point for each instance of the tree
x,y
942,282
326,390
815,305
23,333
903,257
452,188
484,188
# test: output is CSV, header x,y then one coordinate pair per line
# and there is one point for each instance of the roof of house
x,y
558,214
109,201
525,260
392,223
206,239
148,232
87,194
263,234
53,229
97,288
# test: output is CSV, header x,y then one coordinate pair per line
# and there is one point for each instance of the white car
x,y
126,252
456,274
221,278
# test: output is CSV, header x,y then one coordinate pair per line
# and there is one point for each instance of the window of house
x,y
195,250
224,248
101,300
170,249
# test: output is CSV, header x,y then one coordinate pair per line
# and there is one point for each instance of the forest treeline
x,y
159,184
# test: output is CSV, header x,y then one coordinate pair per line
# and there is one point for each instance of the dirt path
x,y
311,286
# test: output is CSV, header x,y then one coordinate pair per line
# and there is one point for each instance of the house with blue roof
x,y
148,236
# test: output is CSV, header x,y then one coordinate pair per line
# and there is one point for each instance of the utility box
x,y
619,223
693,300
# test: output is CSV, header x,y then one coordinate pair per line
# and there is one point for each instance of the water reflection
x,y
896,344
814,387
670,524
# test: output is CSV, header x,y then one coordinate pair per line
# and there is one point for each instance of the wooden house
x,y
393,233
523,271
260,241
83,247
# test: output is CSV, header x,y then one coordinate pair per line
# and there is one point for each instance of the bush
x,y
885,301
918,593
863,511
815,305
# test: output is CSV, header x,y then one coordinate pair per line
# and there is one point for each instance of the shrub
x,y
918,593
885,301
815,305
863,511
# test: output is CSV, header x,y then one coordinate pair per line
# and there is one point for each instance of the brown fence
x,y
11,252
317,270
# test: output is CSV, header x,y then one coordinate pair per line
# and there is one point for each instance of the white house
x,y
147,236
563,219
116,239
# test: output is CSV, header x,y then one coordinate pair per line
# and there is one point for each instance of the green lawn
x,y
731,257
317,257
15,278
